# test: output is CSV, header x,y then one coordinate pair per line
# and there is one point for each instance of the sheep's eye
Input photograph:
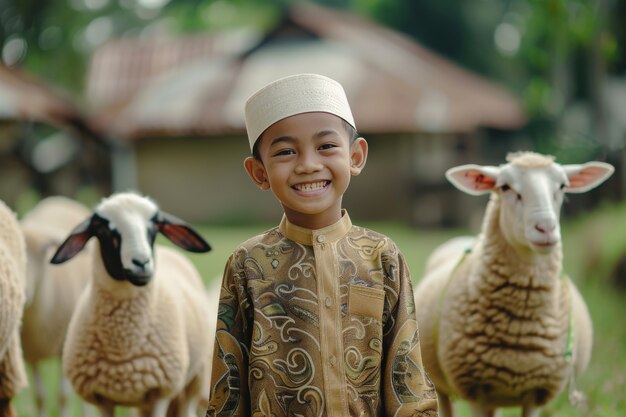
x,y
562,187
505,187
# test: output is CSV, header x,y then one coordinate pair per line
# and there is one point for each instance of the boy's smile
x,y
307,161
310,187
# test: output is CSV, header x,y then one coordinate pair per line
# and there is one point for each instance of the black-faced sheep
x,y
51,290
12,296
501,324
139,336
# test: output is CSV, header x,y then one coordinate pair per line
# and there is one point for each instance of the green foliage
x,y
192,16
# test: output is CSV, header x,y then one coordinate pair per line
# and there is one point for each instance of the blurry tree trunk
x,y
597,99
597,79
560,71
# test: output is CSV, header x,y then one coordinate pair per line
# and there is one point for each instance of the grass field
x,y
593,240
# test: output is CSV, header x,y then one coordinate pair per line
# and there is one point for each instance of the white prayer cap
x,y
295,94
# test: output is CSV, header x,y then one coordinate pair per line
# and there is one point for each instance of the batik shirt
x,y
318,323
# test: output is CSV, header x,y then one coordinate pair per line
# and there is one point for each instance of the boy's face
x,y
307,161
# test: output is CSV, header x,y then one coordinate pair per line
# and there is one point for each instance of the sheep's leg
x,y
13,375
183,406
106,410
159,409
445,405
6,409
12,369
191,409
190,398
40,391
482,411
88,410
64,394
530,411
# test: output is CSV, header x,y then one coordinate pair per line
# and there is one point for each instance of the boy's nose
x,y
308,162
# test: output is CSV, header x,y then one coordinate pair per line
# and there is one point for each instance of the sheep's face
x,y
531,200
530,188
126,230
126,226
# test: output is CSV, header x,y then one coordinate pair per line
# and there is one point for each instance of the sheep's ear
x,y
473,179
583,178
74,243
180,233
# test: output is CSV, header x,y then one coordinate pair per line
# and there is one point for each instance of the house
x,y
46,141
178,104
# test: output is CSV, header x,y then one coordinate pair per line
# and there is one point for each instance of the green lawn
x,y
604,383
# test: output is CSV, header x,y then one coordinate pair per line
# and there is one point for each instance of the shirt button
x,y
328,302
333,360
321,239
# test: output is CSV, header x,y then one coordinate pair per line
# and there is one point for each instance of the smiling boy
x,y
316,315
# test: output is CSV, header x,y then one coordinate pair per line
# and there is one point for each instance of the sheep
x,y
12,297
138,336
51,291
212,301
501,324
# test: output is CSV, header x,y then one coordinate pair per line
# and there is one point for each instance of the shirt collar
x,y
326,234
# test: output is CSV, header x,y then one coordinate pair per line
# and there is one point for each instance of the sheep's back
x,y
449,252
57,214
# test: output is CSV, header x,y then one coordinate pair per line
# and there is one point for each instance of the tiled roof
x,y
23,97
198,85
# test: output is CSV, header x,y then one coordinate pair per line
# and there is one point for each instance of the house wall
x,y
383,190
203,180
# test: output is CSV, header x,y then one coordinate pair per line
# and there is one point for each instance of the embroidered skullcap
x,y
295,94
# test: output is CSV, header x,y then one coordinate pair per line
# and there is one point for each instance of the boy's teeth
x,y
311,186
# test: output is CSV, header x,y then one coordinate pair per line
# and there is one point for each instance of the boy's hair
x,y
295,94
352,135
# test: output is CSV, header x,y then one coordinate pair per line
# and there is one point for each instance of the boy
x,y
316,316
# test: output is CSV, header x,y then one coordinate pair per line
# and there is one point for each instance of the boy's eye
x,y
328,146
284,152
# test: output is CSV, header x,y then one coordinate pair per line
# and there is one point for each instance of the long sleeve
x,y
407,389
229,380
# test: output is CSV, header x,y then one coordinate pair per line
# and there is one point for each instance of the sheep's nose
x,y
141,264
546,227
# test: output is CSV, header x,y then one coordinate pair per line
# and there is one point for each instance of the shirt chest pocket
x,y
366,301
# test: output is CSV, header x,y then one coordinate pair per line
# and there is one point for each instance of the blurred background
x,y
98,96
103,95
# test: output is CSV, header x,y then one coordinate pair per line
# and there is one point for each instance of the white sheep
x,y
12,296
139,334
500,323
212,302
51,291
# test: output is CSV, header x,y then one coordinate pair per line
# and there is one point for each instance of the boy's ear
x,y
358,156
256,172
